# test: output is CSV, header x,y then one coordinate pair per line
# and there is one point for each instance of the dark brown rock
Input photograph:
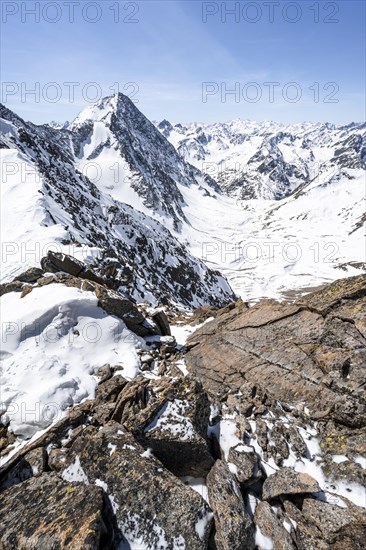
x,y
56,262
63,430
327,526
161,320
110,389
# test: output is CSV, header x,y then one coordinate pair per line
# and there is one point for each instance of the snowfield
x,y
270,248
53,340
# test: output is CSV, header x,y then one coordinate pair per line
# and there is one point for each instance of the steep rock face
x,y
116,129
73,214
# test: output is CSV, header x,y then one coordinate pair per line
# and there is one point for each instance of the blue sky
x,y
284,61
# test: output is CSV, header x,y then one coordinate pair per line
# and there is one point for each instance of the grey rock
x,y
246,463
150,503
341,527
48,513
286,481
271,527
234,528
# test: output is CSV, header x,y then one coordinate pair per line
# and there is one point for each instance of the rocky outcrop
x,y
292,352
64,269
46,512
287,383
139,488
102,444
339,527
272,469
170,418
32,464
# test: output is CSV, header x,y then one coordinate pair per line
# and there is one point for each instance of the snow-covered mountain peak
x,y
132,160
113,181
55,203
103,109
267,160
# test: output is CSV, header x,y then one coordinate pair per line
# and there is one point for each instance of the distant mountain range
x,y
173,210
267,160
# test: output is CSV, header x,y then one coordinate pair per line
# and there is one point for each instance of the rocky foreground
x,y
253,435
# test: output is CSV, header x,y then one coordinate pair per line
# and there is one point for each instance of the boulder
x,y
151,505
246,465
305,534
288,482
14,286
177,430
56,261
30,276
341,527
171,418
270,526
160,318
63,432
115,304
33,464
46,512
234,528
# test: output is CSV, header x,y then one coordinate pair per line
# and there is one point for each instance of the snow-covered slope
x,y
48,203
267,160
53,340
295,212
113,183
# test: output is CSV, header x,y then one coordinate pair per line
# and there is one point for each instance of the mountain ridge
x,y
113,154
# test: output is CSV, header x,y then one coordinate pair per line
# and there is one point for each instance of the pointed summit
x,y
148,171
